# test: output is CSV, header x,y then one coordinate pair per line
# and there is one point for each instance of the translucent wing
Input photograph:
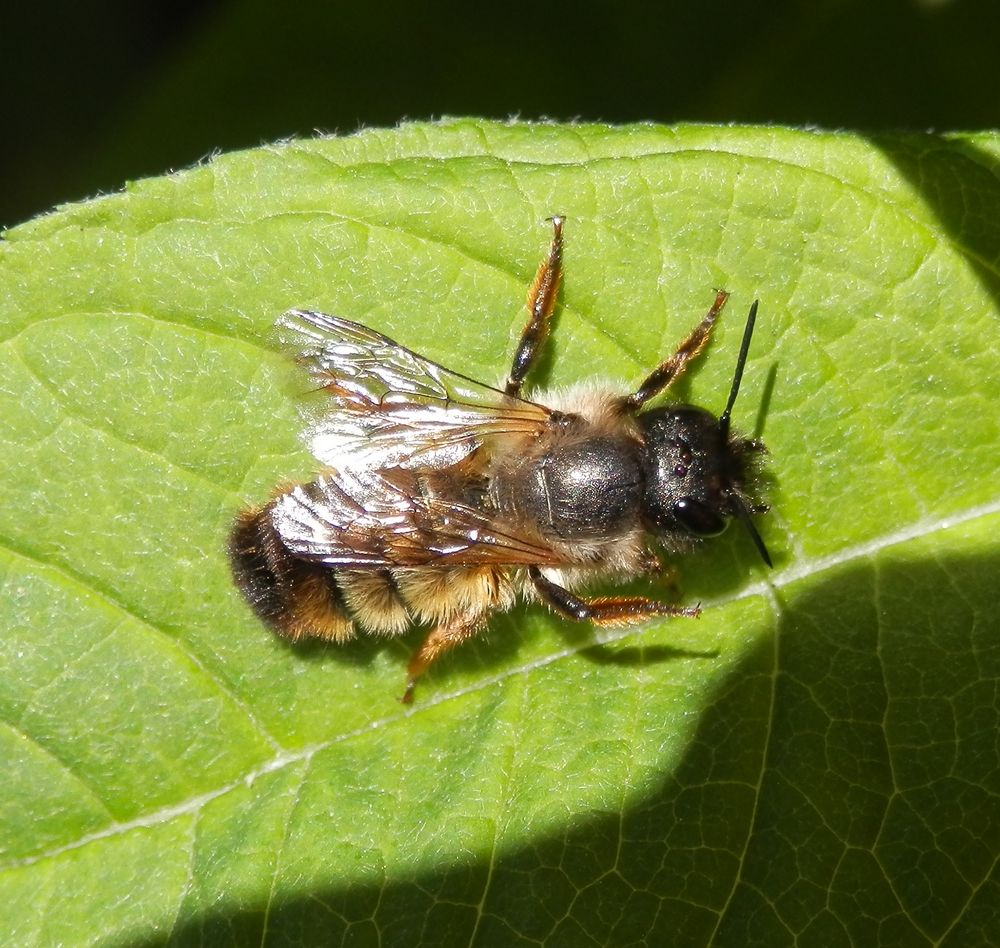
x,y
369,518
388,406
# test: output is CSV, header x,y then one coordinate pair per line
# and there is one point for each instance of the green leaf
x,y
814,760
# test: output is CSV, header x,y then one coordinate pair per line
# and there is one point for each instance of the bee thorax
x,y
580,490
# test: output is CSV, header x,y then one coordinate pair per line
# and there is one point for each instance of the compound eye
x,y
697,518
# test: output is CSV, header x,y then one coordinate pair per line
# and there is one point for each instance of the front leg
x,y
665,373
541,302
605,610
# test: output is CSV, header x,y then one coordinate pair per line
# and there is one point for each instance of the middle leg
x,y
541,302
610,610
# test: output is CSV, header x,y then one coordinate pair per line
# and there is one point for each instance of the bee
x,y
443,500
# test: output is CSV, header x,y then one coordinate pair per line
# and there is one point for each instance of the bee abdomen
x,y
374,600
295,597
301,599
439,594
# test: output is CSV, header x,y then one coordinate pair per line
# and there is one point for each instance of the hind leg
x,y
442,638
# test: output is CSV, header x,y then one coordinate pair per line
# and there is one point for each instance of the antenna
x,y
741,361
744,516
739,506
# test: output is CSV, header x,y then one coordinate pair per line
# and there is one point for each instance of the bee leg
x,y
666,574
541,302
650,565
441,638
674,367
611,610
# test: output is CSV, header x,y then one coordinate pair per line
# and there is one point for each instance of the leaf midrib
x,y
779,580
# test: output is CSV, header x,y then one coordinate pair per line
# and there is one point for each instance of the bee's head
x,y
696,470
696,473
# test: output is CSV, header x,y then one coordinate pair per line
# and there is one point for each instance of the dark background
x,y
95,94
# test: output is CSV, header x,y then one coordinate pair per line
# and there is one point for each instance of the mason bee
x,y
443,500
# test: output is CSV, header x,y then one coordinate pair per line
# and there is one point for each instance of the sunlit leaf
x,y
815,758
